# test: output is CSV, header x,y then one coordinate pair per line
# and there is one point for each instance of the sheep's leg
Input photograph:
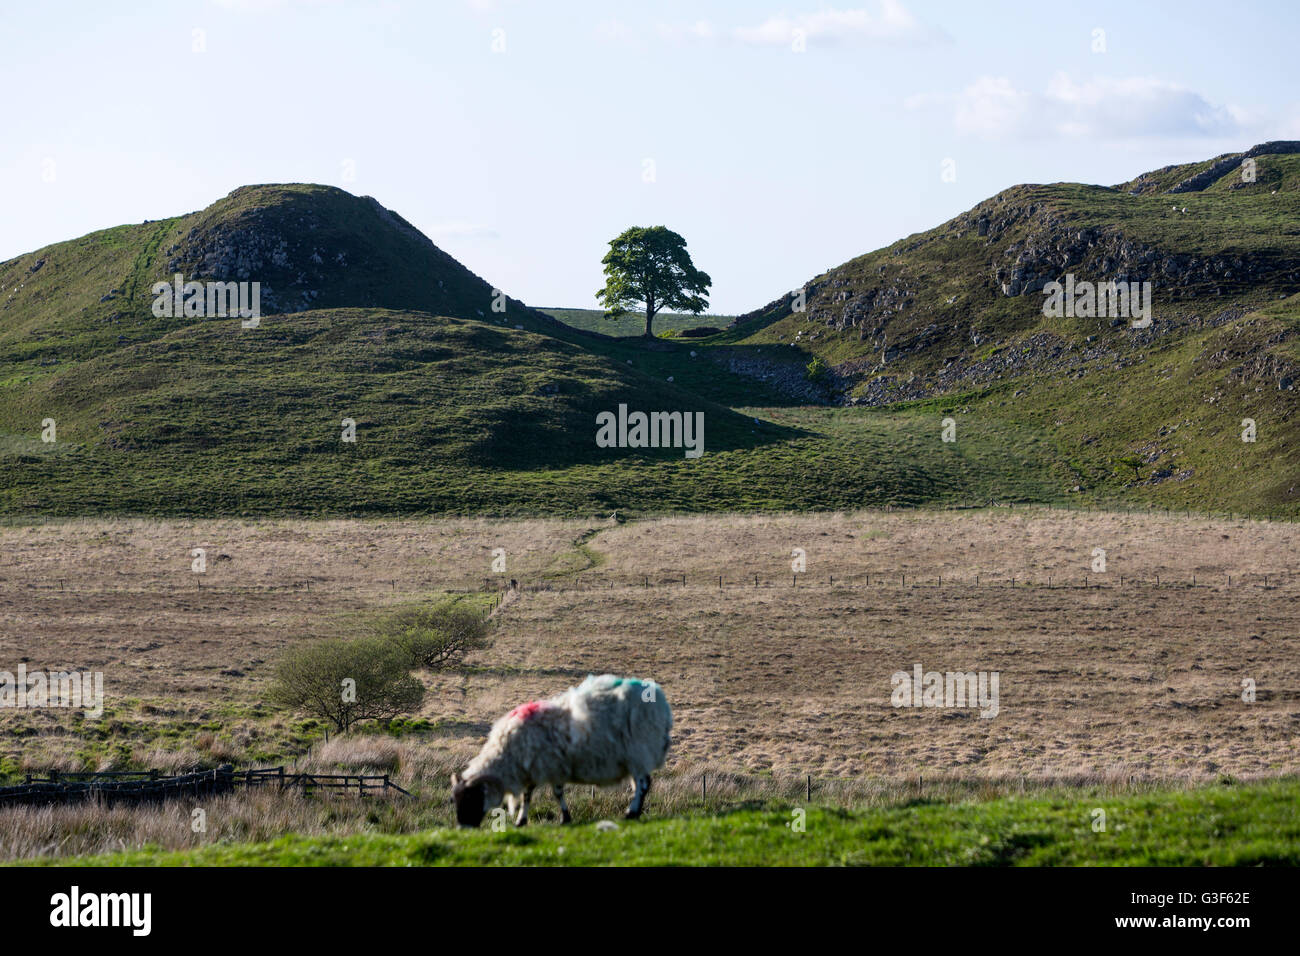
x,y
522,819
640,787
558,790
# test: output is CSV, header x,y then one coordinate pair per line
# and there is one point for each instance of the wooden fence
x,y
149,786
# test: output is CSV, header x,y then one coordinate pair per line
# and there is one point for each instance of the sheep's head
x,y
474,798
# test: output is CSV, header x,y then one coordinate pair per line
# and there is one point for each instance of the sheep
x,y
605,730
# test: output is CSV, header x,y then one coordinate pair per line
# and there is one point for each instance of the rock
x,y
605,826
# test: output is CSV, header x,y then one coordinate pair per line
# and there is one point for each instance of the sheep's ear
x,y
455,780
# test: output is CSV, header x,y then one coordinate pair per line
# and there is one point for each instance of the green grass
x,y
456,417
1236,825
460,412
593,320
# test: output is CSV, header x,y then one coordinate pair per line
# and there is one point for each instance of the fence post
x,y
704,786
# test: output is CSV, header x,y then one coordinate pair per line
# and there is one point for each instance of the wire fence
x,y
731,580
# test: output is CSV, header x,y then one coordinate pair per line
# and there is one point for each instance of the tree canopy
x,y
649,266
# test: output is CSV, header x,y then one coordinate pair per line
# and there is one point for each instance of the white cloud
x,y
892,21
992,107
1098,109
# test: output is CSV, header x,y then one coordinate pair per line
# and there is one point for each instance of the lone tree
x,y
347,681
650,266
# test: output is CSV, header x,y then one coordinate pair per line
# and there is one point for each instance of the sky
x,y
779,138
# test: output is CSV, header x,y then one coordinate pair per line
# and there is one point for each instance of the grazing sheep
x,y
605,730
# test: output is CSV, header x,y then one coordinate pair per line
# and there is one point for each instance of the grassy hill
x,y
461,409
310,247
452,416
933,304
956,312
1239,825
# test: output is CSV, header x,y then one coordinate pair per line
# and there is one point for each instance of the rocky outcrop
x,y
1224,165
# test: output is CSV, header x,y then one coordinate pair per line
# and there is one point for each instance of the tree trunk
x,y
649,315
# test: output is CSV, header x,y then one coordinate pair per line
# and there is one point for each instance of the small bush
x,y
1132,461
817,369
346,681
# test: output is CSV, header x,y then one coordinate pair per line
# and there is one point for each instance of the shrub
x,y
817,369
1132,461
344,681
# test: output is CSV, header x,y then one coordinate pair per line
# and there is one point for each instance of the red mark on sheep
x,y
525,711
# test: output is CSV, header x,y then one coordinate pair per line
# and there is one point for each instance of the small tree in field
x,y
344,681
649,266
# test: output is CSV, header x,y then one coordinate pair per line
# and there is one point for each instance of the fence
x,y
678,580
136,787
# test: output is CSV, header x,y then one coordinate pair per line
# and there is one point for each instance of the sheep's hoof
x,y
632,815
566,818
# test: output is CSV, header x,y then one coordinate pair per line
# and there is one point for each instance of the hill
x,y
955,316
476,411
929,308
451,415
309,247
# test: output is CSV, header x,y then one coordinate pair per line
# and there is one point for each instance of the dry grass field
x,y
1098,683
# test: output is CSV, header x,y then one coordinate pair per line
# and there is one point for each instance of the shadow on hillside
x,y
717,368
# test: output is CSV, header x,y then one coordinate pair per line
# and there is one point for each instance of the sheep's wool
x,y
604,730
